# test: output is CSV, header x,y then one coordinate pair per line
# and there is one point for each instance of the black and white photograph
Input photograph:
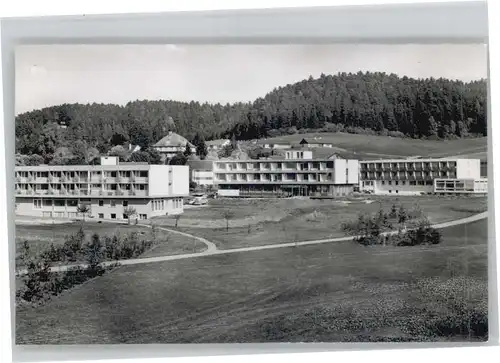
x,y
187,193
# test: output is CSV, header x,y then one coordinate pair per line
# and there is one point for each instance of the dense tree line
x,y
383,103
436,108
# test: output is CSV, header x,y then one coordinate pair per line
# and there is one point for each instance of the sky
x,y
49,75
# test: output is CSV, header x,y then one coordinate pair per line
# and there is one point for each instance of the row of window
x,y
159,204
100,215
417,164
399,182
380,174
276,165
274,177
73,174
38,203
82,186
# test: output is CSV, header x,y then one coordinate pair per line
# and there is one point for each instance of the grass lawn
x,y
268,221
41,236
329,292
384,146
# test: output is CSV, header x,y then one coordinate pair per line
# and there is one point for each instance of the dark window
x,y
125,203
101,215
113,203
101,203
113,216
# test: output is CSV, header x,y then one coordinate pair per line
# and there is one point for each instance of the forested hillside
x,y
357,103
436,108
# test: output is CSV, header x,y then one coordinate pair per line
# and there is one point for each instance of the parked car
x,y
199,199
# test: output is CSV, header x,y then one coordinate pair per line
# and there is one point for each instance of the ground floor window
x,y
37,203
143,216
72,202
125,216
101,215
59,214
113,216
125,203
101,203
72,214
59,202
47,214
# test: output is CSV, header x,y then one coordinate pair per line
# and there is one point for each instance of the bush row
x,y
40,283
412,228
98,248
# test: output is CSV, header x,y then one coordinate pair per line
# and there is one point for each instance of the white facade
x,y
110,188
468,168
203,177
216,145
289,177
413,176
299,154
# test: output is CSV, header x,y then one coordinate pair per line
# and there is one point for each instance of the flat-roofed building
x,y
461,186
414,176
57,190
298,174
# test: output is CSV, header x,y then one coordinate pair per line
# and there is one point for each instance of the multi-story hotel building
x,y
109,188
417,176
298,174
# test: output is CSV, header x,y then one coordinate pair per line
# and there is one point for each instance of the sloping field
x,y
330,292
267,221
373,146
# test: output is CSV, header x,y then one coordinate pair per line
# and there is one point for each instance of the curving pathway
x,y
212,248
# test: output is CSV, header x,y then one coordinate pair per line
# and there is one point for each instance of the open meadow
x,y
268,221
329,292
377,147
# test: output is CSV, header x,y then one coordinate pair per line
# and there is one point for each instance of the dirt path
x,y
212,249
